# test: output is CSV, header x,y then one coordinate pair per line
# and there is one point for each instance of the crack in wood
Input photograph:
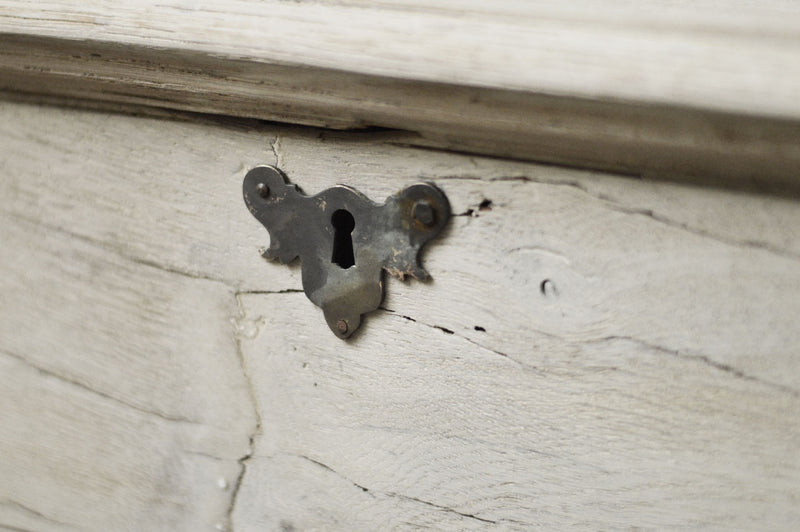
x,y
257,429
614,205
275,145
11,528
85,387
440,507
32,512
237,485
329,468
266,292
106,246
206,455
725,368
393,494
449,332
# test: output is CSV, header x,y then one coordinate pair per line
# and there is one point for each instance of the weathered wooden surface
x,y
594,352
701,89
122,402
732,52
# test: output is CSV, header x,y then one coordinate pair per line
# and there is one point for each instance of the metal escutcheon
x,y
344,240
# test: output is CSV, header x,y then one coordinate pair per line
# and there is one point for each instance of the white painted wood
x,y
719,55
704,89
408,427
652,382
123,405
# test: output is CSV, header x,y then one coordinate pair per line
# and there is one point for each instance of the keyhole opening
x,y
343,224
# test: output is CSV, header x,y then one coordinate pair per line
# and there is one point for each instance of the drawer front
x,y
594,351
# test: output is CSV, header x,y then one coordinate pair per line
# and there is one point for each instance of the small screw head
x,y
341,326
424,213
262,189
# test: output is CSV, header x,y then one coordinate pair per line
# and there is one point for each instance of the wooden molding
x,y
671,92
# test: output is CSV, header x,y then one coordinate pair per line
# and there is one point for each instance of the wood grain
x,y
672,89
122,401
594,352
410,427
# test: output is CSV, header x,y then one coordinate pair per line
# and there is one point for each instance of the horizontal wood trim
x,y
670,91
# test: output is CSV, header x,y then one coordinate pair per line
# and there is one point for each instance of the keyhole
x,y
343,224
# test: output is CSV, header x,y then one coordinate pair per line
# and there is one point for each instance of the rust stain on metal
x,y
344,240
